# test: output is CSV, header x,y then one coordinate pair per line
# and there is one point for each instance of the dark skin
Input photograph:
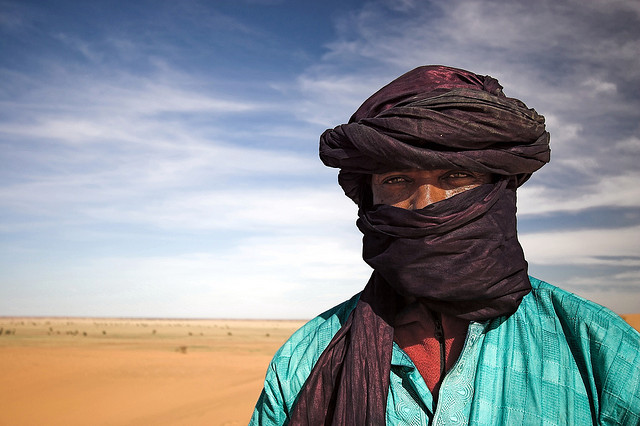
x,y
415,189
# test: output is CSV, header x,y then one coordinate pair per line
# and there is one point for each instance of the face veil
x,y
459,256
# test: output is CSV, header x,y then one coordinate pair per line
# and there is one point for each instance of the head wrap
x,y
437,117
460,256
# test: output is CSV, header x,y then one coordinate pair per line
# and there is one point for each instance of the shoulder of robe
x,y
293,362
605,348
580,318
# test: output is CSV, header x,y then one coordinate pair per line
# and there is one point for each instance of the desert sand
x,y
72,371
633,319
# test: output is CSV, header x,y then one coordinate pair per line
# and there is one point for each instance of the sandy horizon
x,y
133,371
114,371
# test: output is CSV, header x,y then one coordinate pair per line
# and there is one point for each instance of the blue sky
x,y
159,159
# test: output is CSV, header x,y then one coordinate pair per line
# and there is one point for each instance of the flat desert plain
x,y
71,371
84,371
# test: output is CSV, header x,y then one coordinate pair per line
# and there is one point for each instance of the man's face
x,y
415,188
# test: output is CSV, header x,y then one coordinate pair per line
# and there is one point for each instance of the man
x,y
450,328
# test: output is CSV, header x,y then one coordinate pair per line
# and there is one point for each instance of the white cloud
x,y
621,301
261,277
629,146
100,148
623,279
618,291
329,100
259,208
611,191
613,247
598,86
114,111
273,210
180,154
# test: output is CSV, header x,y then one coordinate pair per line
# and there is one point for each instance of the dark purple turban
x,y
459,256
436,117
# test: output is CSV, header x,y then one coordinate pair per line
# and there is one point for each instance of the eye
x,y
464,174
391,180
460,174
465,177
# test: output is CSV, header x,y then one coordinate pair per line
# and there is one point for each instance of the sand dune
x,y
58,371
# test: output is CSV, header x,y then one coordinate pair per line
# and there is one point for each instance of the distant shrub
x,y
182,349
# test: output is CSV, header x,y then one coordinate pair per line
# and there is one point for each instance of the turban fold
x,y
437,117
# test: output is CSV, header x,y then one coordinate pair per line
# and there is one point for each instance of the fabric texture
x,y
436,117
559,359
465,247
432,341
433,117
326,398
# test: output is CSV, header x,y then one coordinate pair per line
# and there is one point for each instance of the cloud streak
x,y
165,163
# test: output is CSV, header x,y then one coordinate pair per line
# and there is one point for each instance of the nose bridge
x,y
427,193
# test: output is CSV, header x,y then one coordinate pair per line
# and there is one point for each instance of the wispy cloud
x,y
610,191
250,278
129,145
626,281
577,63
184,124
573,62
586,247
